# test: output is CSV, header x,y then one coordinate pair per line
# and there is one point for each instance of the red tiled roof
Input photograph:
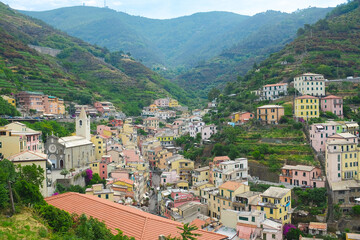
x,y
198,222
307,97
128,181
133,222
231,185
221,158
317,225
332,97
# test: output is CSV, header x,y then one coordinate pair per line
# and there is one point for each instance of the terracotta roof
x,y
221,158
125,180
307,97
198,222
317,225
133,222
231,185
332,97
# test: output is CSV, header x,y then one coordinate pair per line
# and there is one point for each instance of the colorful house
x,y
183,167
301,175
241,117
332,104
274,91
99,191
200,175
173,103
306,107
100,146
152,122
270,114
122,187
276,203
319,132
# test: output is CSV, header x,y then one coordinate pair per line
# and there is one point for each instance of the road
x,y
153,201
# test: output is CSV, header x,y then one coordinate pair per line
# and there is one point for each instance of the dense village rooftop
x,y
298,167
344,185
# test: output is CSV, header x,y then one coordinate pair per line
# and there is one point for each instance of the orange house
x,y
242,117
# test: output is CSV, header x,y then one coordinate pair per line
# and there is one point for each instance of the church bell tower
x,y
83,125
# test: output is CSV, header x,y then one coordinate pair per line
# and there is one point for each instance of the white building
x,y
310,84
231,170
195,128
274,91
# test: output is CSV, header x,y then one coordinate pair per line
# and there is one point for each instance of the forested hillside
x,y
265,33
171,43
80,72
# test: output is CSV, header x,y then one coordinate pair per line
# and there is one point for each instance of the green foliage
x,y
294,233
356,210
73,188
58,220
96,179
32,174
311,197
8,109
64,172
4,196
50,127
29,193
92,229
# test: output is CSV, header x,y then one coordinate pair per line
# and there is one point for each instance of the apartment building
x,y
310,84
306,107
274,91
43,104
183,167
207,131
301,175
276,203
200,175
230,170
319,132
332,104
342,157
105,108
270,114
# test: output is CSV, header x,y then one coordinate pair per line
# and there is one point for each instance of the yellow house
x,y
98,190
173,103
182,184
162,156
276,203
11,144
197,187
352,236
153,108
306,107
201,175
61,106
270,114
27,158
100,146
10,100
95,167
123,187
183,167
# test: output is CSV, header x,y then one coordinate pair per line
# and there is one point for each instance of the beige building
x,y
270,114
310,84
27,158
98,190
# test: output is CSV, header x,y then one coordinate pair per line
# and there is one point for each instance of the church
x,y
74,151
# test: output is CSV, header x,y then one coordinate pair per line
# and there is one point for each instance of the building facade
x,y
310,84
270,114
306,107
332,104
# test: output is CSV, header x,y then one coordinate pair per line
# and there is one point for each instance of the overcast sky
x,y
163,9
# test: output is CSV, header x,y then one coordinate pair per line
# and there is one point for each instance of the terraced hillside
x,y
80,72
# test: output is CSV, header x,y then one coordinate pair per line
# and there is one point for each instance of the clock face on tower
x,y
52,148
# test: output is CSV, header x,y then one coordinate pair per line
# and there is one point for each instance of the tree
x,y
64,172
186,234
8,177
32,174
213,94
356,209
293,234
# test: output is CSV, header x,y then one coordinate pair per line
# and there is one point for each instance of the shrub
x,y
356,209
58,220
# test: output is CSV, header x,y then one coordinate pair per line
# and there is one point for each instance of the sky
x,y
164,9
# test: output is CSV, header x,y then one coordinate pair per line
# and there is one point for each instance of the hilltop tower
x,y
83,125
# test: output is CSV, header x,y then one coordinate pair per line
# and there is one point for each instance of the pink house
x,y
301,175
132,157
162,102
319,132
169,177
120,173
180,197
332,104
33,138
101,128
208,131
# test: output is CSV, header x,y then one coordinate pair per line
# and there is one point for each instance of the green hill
x,y
331,47
80,72
265,33
173,42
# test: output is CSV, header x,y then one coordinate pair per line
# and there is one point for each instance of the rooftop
x,y
231,185
344,185
277,84
221,158
74,141
307,97
332,97
28,156
298,167
275,192
270,106
317,225
202,169
133,222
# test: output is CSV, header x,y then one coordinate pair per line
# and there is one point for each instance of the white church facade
x,y
74,151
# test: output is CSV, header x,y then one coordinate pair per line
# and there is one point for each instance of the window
x,y
253,219
271,211
107,196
